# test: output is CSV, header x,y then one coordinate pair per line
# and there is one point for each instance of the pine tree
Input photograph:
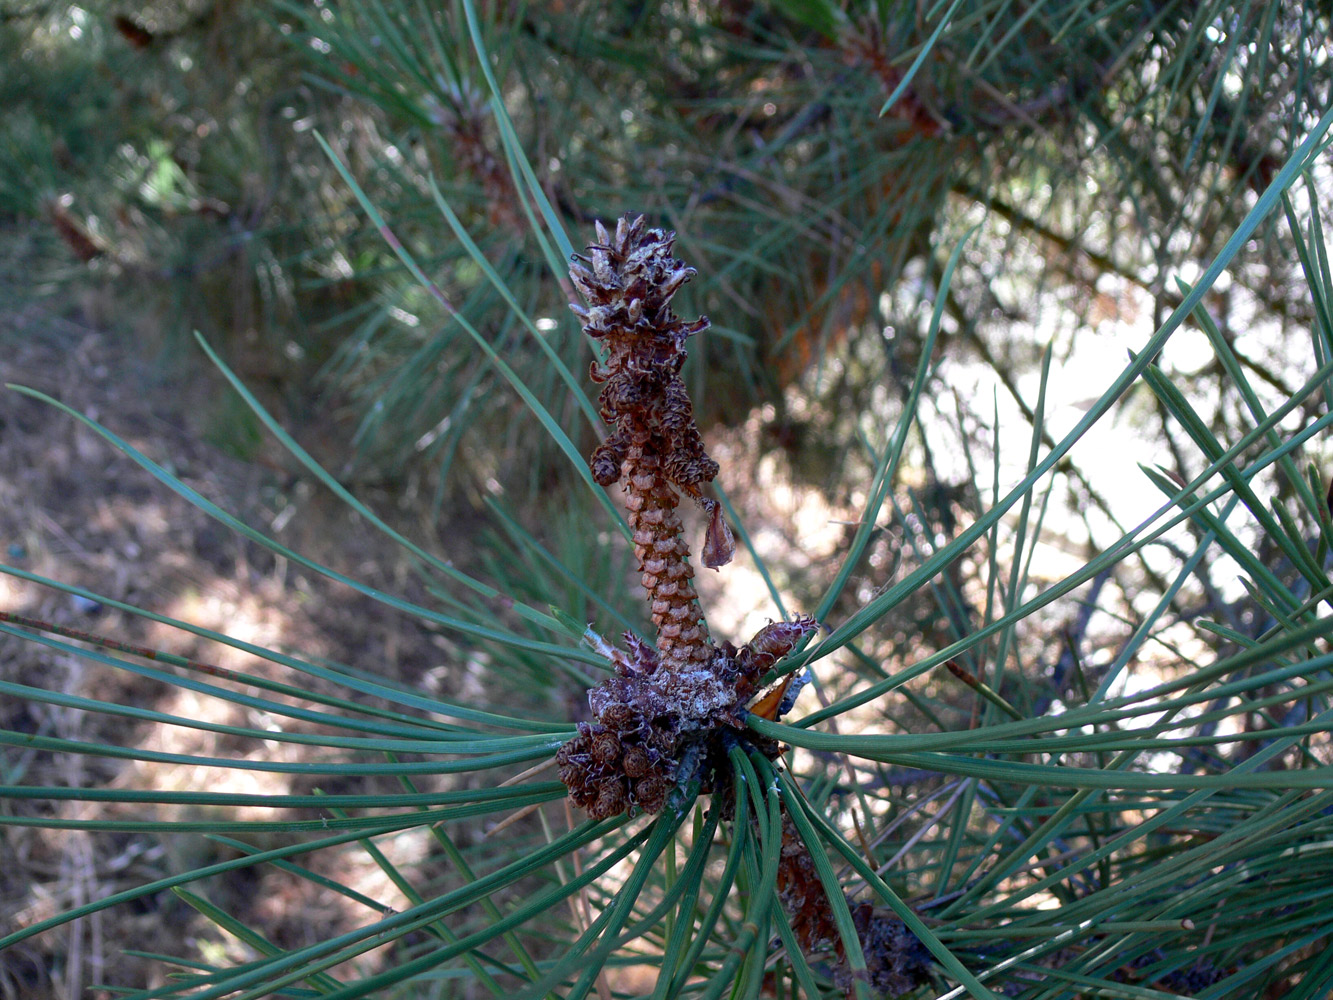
x,y
1010,780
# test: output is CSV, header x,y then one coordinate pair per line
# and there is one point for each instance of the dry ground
x,y
73,509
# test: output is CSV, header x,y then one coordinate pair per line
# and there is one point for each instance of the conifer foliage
x,y
980,795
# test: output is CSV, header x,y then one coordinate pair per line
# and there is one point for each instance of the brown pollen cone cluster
x,y
896,962
654,447
660,720
667,716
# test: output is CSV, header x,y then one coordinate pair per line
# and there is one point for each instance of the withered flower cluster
x,y
659,720
654,446
667,717
896,961
657,730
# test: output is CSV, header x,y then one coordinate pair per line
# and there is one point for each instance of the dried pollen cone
x,y
665,717
654,446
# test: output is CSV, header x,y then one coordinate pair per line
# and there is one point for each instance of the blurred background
x,y
160,175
